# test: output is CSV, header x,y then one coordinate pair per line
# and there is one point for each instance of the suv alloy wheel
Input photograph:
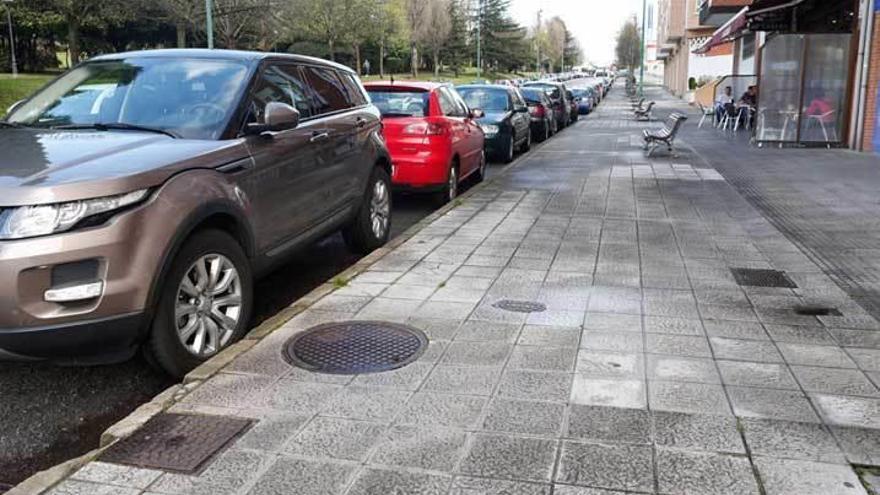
x,y
372,225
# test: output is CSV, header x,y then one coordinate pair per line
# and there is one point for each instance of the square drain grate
x,y
754,277
181,443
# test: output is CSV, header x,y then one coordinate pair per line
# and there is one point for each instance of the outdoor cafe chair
x,y
707,112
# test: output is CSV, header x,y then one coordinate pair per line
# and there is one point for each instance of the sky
x,y
593,22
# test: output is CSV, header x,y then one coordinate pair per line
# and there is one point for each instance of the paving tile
x,y
371,403
510,457
425,408
848,411
604,364
815,355
583,490
609,424
619,467
537,385
677,345
481,331
860,445
608,322
867,359
436,328
704,473
786,477
834,381
296,397
856,338
735,330
336,438
272,432
477,354
524,417
551,336
612,341
115,474
289,475
749,374
683,369
697,432
791,440
467,485
463,380
789,405
227,474
556,317
799,334
428,447
380,481
698,398
608,392
542,358
78,487
745,350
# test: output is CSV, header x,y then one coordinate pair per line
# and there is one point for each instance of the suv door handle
x,y
361,122
319,136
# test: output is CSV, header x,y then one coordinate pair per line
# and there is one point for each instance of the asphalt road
x,y
50,414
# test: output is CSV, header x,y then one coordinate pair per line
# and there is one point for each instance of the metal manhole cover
x,y
520,306
352,347
762,278
817,311
176,442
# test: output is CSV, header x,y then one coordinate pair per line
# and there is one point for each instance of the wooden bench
x,y
645,113
666,135
637,104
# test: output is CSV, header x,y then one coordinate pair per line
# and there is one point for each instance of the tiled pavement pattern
x,y
651,371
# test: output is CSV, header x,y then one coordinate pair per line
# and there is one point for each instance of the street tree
x,y
417,23
185,14
629,46
437,28
456,52
502,40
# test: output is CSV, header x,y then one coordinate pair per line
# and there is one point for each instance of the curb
x,y
44,480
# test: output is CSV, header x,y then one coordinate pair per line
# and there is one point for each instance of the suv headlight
x,y
32,221
489,129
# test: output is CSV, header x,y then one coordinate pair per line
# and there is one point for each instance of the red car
x,y
432,135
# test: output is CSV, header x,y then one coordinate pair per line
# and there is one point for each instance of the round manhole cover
x,y
520,306
352,347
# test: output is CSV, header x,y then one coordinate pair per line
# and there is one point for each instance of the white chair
x,y
707,112
821,120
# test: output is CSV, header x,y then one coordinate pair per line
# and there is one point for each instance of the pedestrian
x,y
366,67
723,103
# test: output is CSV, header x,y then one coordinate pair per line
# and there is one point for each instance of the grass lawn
x,y
12,90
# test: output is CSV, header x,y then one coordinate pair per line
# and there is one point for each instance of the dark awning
x,y
729,31
802,16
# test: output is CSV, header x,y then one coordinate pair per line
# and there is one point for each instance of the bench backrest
x,y
673,124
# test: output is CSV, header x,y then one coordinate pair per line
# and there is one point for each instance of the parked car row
x,y
142,193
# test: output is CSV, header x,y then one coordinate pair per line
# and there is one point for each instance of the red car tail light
x,y
537,111
424,129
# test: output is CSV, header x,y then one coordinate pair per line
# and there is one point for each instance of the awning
x,y
725,33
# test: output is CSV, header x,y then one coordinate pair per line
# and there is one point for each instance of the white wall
x,y
700,65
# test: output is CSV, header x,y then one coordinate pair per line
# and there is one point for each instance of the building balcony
x,y
716,12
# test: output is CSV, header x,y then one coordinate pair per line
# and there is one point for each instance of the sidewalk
x,y
650,371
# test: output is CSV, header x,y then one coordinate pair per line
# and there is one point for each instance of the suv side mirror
x,y
476,113
277,117
522,109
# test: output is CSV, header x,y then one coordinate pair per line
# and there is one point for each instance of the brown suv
x,y
142,192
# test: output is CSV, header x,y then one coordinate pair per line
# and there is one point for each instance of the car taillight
x,y
537,110
424,129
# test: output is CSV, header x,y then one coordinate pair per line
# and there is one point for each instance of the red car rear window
x,y
400,102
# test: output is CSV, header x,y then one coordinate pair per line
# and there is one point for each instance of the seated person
x,y
750,97
722,103
821,107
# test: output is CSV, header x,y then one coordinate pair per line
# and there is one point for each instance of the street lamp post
x,y
479,25
209,22
11,38
644,45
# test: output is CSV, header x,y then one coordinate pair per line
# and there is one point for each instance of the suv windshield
x,y
486,99
190,98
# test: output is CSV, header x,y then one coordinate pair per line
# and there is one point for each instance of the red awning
x,y
725,33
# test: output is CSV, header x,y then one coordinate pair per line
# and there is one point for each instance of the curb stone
x,y
44,480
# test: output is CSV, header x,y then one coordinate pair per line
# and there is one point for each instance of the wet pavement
x,y
644,366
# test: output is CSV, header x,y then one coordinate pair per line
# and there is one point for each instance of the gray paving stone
x,y
425,408
800,335
537,385
466,485
555,317
296,397
704,473
856,338
735,330
272,432
700,398
77,487
786,476
482,331
542,358
410,377
608,392
230,390
609,424
848,411
336,438
384,481
428,447
749,374
371,403
227,474
789,405
791,440
115,474
608,322
620,467
436,328
582,490
510,457
604,364
612,341
745,350
697,432
835,381
289,475
867,359
477,354
678,345
683,369
815,355
550,336
524,417
860,445
463,380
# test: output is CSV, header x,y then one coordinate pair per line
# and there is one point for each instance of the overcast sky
x,y
594,22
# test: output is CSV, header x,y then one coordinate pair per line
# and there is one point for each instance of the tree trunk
x,y
414,59
357,57
330,46
382,58
181,35
73,39
436,62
